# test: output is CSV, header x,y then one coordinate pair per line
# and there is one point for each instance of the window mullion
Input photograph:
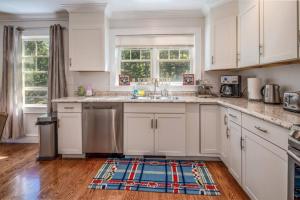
x,y
154,64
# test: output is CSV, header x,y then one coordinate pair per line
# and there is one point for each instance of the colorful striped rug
x,y
153,175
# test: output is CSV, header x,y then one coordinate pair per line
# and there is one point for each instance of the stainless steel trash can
x,y
48,136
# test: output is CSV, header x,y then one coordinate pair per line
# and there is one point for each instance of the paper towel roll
x,y
254,87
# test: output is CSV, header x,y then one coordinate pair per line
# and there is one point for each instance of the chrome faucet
x,y
155,85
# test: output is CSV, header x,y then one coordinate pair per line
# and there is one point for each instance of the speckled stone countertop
x,y
271,113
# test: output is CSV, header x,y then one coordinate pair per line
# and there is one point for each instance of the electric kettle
x,y
271,94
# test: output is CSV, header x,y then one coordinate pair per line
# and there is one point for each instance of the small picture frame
x,y
188,79
124,80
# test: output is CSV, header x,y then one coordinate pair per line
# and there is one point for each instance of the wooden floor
x,y
22,177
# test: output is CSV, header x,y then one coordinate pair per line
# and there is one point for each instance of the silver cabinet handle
x,y
69,108
225,119
293,156
242,143
156,124
261,129
231,115
152,123
70,61
261,50
227,132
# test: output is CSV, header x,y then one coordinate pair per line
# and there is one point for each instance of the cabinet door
x,y
264,168
224,131
86,48
209,129
192,130
69,133
170,134
223,42
278,27
248,33
138,134
235,153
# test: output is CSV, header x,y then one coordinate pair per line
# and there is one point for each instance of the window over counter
x,y
166,57
35,58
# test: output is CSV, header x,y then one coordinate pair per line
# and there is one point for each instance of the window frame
x,y
39,88
154,64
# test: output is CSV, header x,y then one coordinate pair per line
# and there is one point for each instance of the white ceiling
x,y
52,6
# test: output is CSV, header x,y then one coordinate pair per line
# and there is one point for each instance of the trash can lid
x,y
48,117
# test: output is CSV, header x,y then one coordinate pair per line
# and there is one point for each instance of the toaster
x,y
291,101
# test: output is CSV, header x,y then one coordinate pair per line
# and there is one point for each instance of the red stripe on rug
x,y
175,177
132,175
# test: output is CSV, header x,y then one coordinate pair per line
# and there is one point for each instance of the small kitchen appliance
x,y
271,94
291,101
294,164
204,89
230,86
254,87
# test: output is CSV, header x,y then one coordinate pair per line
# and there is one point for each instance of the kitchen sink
x,y
156,98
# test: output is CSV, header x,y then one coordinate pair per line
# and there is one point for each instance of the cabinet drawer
x,y
235,116
69,107
266,130
154,108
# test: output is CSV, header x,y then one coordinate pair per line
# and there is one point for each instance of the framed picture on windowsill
x,y
124,80
188,79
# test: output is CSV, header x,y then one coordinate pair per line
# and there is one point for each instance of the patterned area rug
x,y
169,176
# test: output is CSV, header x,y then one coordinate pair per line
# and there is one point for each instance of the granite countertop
x,y
271,113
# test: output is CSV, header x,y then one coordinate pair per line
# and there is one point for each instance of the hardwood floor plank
x,y
22,177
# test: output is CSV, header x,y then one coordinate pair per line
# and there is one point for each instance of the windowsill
x,y
34,109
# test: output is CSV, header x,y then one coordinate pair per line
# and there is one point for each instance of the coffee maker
x,y
230,86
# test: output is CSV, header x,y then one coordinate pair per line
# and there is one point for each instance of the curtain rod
x,y
35,28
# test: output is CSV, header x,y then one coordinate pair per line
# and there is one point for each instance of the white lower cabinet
x,y
138,132
264,168
169,134
224,135
209,127
154,133
69,133
235,152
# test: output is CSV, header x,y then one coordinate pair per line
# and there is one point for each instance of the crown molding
x,y
157,14
59,16
89,7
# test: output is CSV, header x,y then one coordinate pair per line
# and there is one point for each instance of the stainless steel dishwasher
x,y
102,125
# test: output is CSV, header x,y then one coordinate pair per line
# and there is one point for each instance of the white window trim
x,y
26,106
197,53
155,60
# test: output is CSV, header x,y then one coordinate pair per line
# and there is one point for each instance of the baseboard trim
x,y
23,140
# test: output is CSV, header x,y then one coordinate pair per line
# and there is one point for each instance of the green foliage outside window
x,y
173,70
35,70
171,63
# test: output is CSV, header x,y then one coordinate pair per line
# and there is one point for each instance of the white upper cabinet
x,y
87,37
221,36
224,43
248,33
278,30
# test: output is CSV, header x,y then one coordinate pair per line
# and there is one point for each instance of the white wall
x,y
168,22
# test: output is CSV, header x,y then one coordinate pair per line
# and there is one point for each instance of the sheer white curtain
x,y
11,99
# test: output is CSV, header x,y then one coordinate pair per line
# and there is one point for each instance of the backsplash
x,y
287,76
